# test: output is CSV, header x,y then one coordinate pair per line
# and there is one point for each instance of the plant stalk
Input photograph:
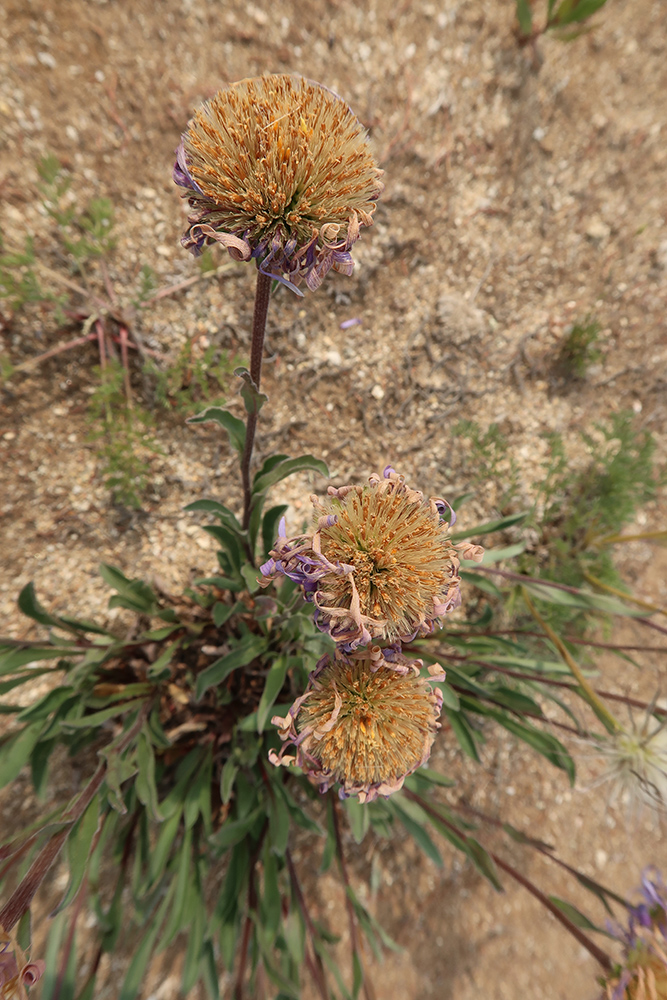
x,y
262,293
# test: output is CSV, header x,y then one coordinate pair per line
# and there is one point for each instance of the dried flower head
x,y
636,763
366,721
379,563
643,973
278,169
16,972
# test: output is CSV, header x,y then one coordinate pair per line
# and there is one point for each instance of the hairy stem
x,y
262,292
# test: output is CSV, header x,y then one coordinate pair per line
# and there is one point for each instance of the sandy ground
x,y
516,204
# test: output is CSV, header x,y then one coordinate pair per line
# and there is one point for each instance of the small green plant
x,y
488,457
564,19
192,379
578,351
122,430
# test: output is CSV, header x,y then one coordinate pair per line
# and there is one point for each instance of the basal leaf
x,y
248,649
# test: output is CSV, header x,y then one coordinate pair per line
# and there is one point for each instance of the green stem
x,y
594,701
262,293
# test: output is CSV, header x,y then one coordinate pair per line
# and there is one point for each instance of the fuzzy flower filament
x,y
365,722
643,973
278,169
378,565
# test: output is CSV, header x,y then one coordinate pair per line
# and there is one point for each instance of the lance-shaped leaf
x,y
253,399
235,428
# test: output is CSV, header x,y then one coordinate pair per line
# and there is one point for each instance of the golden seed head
x,y
365,722
283,166
404,569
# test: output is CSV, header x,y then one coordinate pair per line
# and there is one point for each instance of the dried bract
x,y
366,721
278,169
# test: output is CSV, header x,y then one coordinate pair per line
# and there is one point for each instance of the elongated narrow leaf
x,y
524,16
358,818
145,783
272,687
183,880
79,844
496,555
489,526
144,952
484,863
481,582
235,428
463,732
225,515
573,914
15,752
133,594
253,399
270,527
96,719
287,468
248,649
571,11
12,658
414,820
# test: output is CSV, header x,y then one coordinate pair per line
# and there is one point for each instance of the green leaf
x,y
46,705
183,881
159,669
434,777
573,914
144,952
484,863
79,845
227,779
145,783
120,768
463,732
576,10
272,688
16,751
450,699
161,852
96,719
271,900
489,526
222,612
13,657
270,527
133,594
287,468
279,825
30,606
524,16
253,399
582,599
496,555
235,428
233,832
252,577
413,818
358,818
481,582
247,650
225,515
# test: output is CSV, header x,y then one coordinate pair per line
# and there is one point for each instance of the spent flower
x,y
278,169
366,721
642,975
378,565
636,763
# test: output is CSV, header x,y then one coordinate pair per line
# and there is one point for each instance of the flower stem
x,y
621,593
592,698
262,292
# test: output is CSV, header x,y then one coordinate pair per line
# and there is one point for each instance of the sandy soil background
x,y
516,203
